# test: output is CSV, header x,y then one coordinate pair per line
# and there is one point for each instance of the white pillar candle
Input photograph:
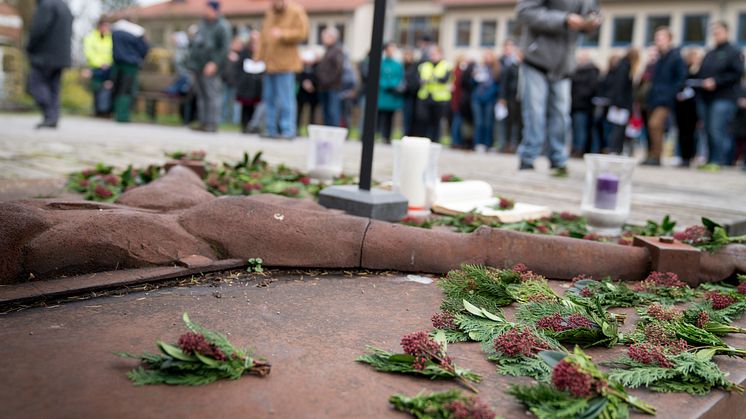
x,y
413,160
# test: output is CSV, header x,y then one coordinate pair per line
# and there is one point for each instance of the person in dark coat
x,y
329,75
130,49
739,127
412,81
619,83
720,75
249,76
584,85
49,49
308,94
669,75
686,112
509,129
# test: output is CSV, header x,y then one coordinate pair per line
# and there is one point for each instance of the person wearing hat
x,y
208,55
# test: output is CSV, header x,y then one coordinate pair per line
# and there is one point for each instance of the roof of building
x,y
193,8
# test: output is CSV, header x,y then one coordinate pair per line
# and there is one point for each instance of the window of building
x,y
411,29
695,29
463,33
741,35
513,30
622,31
488,34
655,22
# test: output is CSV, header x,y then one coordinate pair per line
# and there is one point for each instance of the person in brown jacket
x,y
285,26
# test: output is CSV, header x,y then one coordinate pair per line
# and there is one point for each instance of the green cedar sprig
x,y
578,389
215,359
441,405
719,237
689,372
723,317
568,322
428,358
605,292
482,286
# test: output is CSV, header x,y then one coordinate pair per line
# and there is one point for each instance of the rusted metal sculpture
x,y
48,239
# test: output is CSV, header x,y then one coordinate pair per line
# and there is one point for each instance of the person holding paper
x,y
619,84
669,74
249,81
720,75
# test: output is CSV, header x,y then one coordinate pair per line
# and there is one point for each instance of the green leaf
x,y
709,224
552,358
174,352
207,360
471,308
706,354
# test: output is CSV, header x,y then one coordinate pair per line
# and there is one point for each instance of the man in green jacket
x,y
207,56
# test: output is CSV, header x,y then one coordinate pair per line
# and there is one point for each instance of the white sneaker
x,y
480,148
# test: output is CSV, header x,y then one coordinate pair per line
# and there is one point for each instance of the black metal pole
x,y
371,94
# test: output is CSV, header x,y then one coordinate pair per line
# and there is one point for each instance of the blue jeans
x,y
331,106
546,115
231,112
278,96
456,122
718,117
581,124
484,122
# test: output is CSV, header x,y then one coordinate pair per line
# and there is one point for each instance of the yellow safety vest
x,y
98,49
431,86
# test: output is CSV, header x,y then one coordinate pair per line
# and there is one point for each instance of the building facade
x,y
467,26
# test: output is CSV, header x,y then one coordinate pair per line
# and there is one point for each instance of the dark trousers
x,y
686,121
408,114
247,112
125,88
385,123
44,87
431,114
312,104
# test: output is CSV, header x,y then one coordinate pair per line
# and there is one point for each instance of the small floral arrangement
x,y
449,178
450,404
198,155
423,355
670,369
577,388
504,204
664,287
199,357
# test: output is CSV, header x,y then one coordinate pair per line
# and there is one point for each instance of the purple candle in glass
x,y
607,187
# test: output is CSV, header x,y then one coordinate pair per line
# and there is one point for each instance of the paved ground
x,y
34,163
58,361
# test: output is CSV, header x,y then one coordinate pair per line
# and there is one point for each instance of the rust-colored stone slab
x,y
180,189
18,224
245,227
109,240
311,330
668,255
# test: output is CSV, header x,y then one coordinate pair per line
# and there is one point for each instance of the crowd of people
x,y
700,99
536,98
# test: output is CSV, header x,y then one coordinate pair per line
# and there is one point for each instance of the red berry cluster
x,y
586,292
424,349
720,301
507,204
525,273
568,216
473,408
658,312
192,343
567,377
516,342
102,191
557,323
646,353
741,288
702,319
660,279
657,335
444,320
694,235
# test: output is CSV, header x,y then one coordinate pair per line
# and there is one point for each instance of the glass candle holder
x,y
325,151
607,196
415,173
